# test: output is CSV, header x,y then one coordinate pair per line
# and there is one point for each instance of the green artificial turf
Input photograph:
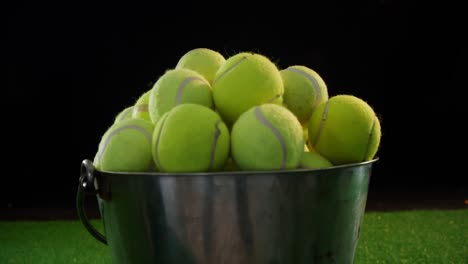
x,y
414,237
390,237
50,242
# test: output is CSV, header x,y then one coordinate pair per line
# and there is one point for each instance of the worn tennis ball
x,y
190,138
304,89
175,87
313,160
267,137
246,80
345,129
126,147
140,109
202,60
126,113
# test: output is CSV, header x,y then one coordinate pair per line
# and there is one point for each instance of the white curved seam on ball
x,y
217,133
311,79
322,123
181,88
109,137
264,121
156,149
369,138
229,69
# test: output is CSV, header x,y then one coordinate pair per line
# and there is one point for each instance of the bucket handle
x,y
86,185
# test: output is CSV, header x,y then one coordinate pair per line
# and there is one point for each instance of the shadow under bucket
x,y
272,217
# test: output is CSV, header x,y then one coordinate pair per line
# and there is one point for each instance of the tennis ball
x,y
304,89
230,165
313,160
345,129
267,137
202,60
140,109
246,80
177,87
190,138
305,131
126,113
126,147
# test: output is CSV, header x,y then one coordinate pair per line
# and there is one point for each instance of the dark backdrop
x,y
72,68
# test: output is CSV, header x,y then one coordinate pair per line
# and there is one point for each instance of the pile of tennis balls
x,y
241,113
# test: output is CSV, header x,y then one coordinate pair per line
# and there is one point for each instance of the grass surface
x,y
414,237
390,237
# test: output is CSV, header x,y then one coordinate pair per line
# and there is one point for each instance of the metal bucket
x,y
272,217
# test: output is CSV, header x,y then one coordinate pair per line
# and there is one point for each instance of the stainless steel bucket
x,y
272,217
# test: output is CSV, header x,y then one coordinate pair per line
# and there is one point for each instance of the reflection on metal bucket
x,y
297,216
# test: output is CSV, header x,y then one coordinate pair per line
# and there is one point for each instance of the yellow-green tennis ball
x,y
304,89
313,160
267,137
202,60
190,138
126,147
230,165
126,113
305,130
140,109
246,80
345,130
177,87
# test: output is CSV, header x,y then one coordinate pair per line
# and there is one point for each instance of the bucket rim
x,y
239,173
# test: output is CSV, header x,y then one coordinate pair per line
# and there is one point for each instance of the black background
x,y
72,68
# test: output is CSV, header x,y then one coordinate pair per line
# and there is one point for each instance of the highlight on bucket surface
x,y
210,113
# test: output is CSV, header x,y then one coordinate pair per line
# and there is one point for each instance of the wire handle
x,y
86,185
